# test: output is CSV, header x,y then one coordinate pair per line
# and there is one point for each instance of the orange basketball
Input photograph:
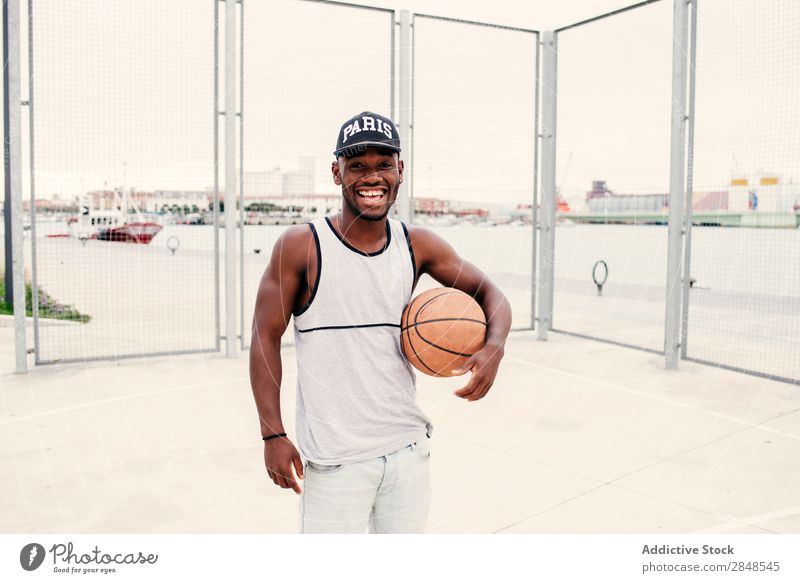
x,y
440,329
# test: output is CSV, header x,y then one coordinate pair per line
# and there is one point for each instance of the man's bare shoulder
x,y
293,245
426,243
297,235
295,238
421,234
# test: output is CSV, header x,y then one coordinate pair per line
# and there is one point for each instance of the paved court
x,y
576,437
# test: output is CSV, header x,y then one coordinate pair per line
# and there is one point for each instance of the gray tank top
x,y
356,393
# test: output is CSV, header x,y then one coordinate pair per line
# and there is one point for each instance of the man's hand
x,y
283,461
439,260
484,365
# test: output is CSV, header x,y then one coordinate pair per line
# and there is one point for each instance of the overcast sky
x,y
536,14
124,93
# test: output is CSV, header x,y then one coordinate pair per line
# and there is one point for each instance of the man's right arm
x,y
277,294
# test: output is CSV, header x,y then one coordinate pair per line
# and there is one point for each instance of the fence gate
x,y
475,114
744,299
122,121
612,160
298,90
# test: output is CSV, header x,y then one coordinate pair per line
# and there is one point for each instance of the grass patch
x,y
48,307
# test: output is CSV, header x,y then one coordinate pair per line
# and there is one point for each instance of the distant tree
x,y
260,207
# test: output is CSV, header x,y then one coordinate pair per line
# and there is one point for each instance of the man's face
x,y
369,182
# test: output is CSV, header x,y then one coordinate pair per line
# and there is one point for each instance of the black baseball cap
x,y
366,129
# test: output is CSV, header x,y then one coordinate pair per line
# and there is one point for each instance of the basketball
x,y
440,329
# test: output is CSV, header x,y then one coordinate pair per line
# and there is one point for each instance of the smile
x,y
371,193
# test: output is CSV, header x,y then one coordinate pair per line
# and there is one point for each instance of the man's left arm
x,y
438,259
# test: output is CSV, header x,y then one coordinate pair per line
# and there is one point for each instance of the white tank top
x,y
356,393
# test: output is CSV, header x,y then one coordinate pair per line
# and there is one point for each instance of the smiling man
x,y
364,443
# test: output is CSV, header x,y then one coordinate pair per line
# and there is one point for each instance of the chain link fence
x,y
124,141
121,134
612,176
474,158
297,91
744,299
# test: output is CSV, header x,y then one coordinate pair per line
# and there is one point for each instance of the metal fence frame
x,y
35,289
241,176
673,305
687,255
536,117
14,254
244,340
545,223
402,90
31,158
216,115
677,301
687,227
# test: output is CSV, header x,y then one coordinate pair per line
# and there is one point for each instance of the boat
x,y
112,224
130,233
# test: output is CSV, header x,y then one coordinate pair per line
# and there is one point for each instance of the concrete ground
x,y
576,436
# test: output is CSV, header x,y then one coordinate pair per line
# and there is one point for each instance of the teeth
x,y
370,193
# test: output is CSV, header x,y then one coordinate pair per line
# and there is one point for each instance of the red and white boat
x,y
130,233
112,224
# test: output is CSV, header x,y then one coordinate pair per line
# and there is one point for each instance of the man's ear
x,y
400,169
337,178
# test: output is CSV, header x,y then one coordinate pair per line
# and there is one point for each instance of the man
x,y
346,279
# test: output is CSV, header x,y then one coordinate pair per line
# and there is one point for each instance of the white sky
x,y
536,14
129,100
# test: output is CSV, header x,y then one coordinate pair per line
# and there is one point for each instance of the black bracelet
x,y
273,436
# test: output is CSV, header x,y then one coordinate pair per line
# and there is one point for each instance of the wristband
x,y
273,436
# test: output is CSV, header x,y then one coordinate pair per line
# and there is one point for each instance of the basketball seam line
x,y
411,344
442,348
444,320
416,323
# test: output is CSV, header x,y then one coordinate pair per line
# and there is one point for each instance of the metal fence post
x,y
241,176
404,114
535,204
32,187
230,179
548,199
392,68
13,168
8,245
215,199
687,243
672,320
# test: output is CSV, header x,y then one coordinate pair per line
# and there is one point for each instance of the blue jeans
x,y
388,494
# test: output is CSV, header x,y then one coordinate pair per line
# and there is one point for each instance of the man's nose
x,y
373,177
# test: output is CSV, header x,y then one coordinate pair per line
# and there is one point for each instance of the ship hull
x,y
141,233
